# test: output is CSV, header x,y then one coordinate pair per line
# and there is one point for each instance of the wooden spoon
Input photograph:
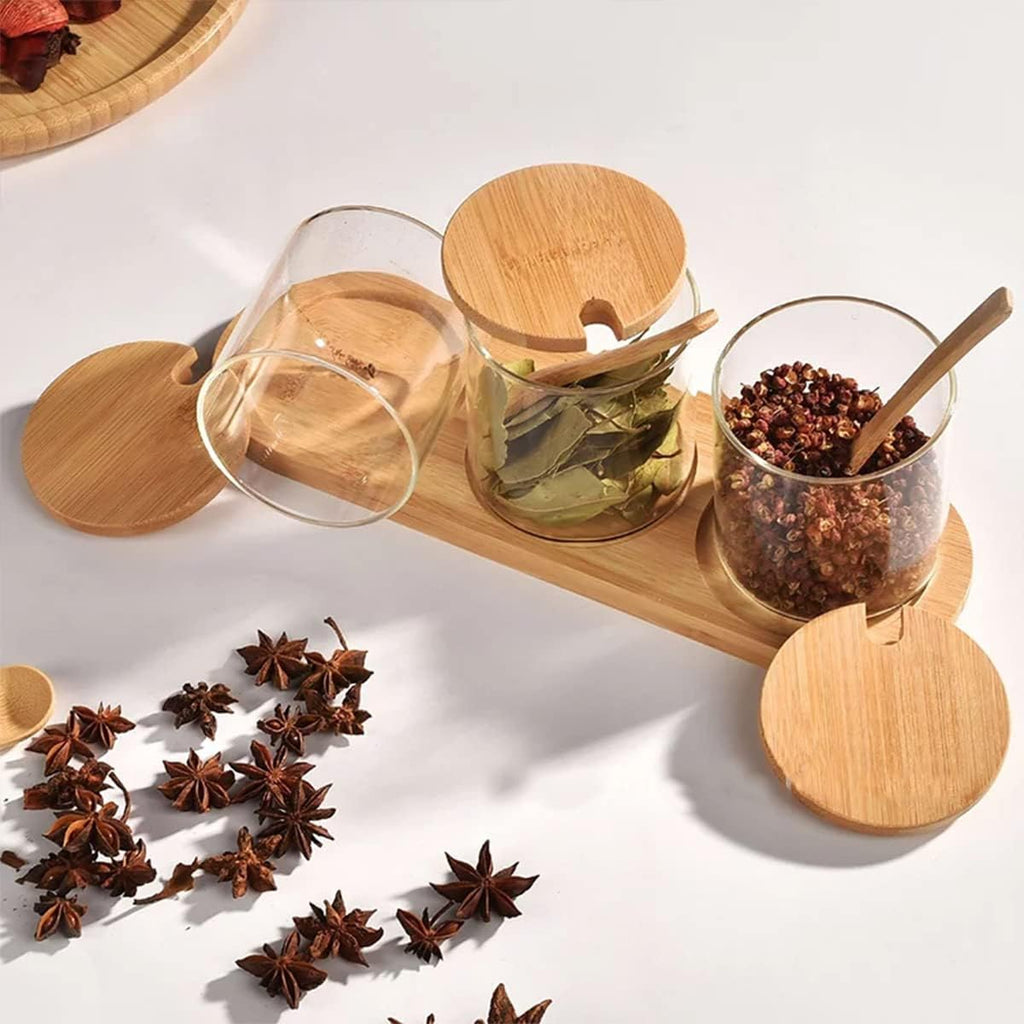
x,y
982,322
26,702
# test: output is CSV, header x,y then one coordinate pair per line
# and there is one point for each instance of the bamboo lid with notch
x,y
884,733
535,255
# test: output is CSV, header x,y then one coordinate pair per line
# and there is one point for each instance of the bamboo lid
x,y
884,735
534,255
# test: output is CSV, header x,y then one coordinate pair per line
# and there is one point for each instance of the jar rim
x,y
575,390
827,481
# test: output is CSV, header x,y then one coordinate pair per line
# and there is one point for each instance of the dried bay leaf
x,y
636,508
641,445
541,451
567,498
548,412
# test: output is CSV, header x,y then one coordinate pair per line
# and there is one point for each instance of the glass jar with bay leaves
x,y
598,459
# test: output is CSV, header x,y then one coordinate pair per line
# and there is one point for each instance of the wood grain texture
x,y
125,61
26,702
112,445
884,737
978,325
534,255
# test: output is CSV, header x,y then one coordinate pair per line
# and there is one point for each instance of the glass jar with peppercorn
x,y
791,391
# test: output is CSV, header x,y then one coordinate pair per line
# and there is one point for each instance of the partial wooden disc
x,y
534,255
26,702
884,737
112,445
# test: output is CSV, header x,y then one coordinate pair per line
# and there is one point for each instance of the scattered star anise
x,y
60,743
124,876
182,880
197,785
11,859
333,932
479,890
295,820
430,1019
289,729
199,704
59,913
503,1012
64,871
347,718
69,787
103,725
289,973
98,828
270,777
248,867
328,677
278,663
426,934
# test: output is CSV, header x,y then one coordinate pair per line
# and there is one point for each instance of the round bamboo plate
x,y
125,61
26,702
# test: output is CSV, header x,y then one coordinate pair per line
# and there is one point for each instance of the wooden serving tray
x,y
668,574
124,62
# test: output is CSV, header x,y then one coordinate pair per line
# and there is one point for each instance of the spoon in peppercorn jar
x,y
994,311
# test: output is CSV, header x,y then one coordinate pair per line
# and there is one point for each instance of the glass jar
x,y
596,460
804,545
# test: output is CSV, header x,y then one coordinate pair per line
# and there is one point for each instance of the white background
x,y
869,147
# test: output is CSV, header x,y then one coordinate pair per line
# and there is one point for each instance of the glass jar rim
x,y
366,208
352,378
827,481
576,391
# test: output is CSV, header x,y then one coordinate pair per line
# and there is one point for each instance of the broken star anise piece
x,y
103,725
59,913
199,704
430,1019
347,718
98,828
182,880
248,867
124,876
289,729
60,743
69,787
270,777
328,677
278,663
295,820
289,973
503,1012
426,934
64,871
197,785
335,932
479,890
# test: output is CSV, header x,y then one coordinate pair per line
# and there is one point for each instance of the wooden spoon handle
x,y
573,370
982,322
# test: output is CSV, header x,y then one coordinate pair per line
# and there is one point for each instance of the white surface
x,y
869,148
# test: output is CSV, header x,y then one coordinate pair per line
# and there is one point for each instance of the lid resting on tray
x,y
535,255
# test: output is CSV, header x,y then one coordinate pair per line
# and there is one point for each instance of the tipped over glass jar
x,y
791,391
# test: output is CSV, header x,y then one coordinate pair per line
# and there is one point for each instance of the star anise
x,y
278,663
270,777
426,934
60,743
503,1012
248,867
430,1019
59,913
295,820
327,677
199,704
289,729
182,880
64,871
103,725
479,890
347,718
333,932
288,973
98,828
124,876
69,787
197,785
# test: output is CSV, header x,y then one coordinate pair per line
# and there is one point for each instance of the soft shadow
x,y
718,761
244,1000
205,345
